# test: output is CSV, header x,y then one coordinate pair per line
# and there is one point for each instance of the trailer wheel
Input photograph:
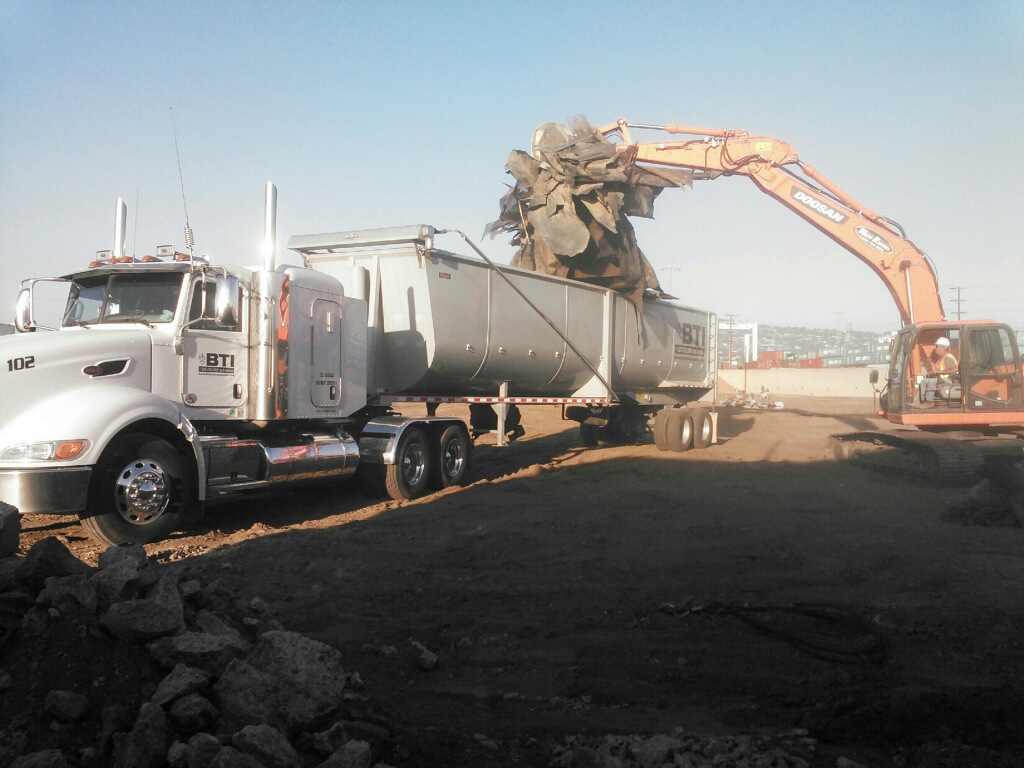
x,y
679,430
140,489
407,477
703,428
660,429
450,463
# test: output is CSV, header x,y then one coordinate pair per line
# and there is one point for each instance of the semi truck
x,y
171,380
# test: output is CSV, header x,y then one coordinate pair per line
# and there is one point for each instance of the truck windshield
x,y
123,298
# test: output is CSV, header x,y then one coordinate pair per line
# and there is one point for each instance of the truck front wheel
x,y
139,491
407,477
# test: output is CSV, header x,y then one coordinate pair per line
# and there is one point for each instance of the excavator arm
x,y
879,242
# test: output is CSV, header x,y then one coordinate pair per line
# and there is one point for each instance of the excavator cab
x,y
946,376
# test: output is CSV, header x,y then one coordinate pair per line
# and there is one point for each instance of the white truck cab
x,y
170,379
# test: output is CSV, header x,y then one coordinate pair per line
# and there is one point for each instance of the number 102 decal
x,y
21,363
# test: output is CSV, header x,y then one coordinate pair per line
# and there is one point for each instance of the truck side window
x,y
206,322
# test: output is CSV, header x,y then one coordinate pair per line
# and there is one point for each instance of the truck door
x,y
326,389
215,357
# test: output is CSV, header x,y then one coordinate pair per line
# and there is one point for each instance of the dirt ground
x,y
543,588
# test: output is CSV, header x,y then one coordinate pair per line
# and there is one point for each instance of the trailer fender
x,y
378,442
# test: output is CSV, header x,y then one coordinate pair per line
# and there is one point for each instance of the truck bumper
x,y
45,491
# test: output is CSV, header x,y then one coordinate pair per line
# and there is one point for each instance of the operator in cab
x,y
943,366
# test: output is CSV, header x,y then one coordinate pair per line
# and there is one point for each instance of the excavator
x,y
956,412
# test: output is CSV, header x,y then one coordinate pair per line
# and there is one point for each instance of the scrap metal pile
x,y
567,211
761,401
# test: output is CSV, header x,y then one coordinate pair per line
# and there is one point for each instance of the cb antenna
x,y
188,230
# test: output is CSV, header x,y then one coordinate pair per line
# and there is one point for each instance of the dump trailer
x,y
172,380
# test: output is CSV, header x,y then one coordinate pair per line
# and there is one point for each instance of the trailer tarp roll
x,y
568,210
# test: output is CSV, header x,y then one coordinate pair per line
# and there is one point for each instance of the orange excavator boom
x,y
879,242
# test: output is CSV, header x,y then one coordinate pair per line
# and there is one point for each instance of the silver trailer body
x,y
442,324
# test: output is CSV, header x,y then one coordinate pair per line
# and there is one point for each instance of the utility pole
x,y
957,288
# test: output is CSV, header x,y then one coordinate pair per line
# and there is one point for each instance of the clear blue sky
x,y
378,114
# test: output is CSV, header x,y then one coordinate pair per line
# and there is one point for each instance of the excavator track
x,y
951,459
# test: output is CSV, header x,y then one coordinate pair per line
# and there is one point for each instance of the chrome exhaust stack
x,y
268,289
120,227
270,229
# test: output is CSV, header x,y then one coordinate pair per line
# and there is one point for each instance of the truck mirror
x,y
226,308
873,376
23,312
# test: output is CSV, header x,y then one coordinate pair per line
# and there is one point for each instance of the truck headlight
x,y
56,450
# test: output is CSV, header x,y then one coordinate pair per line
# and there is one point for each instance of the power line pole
x,y
957,288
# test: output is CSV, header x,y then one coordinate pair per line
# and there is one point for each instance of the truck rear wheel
x,y
451,458
407,477
703,428
679,430
660,429
140,489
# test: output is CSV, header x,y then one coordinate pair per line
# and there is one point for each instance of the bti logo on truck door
x,y
217,363
215,369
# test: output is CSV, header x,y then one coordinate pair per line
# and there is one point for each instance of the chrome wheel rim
x,y
705,430
453,458
414,465
142,492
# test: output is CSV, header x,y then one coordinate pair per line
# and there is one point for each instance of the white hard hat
x,y
942,342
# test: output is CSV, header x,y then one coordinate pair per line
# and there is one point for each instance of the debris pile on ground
x,y
10,529
129,665
998,500
567,211
759,401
